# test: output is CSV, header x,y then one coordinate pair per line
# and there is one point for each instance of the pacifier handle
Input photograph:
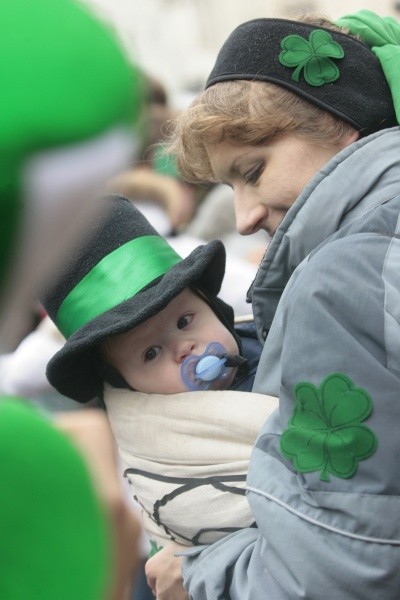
x,y
209,367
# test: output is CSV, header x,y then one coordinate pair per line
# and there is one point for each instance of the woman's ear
x,y
350,137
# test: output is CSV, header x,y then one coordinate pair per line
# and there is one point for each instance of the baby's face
x,y
150,356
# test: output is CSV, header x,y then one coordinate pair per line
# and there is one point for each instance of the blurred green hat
x,y
55,539
64,79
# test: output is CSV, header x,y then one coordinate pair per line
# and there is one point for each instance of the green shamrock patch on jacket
x,y
325,432
314,56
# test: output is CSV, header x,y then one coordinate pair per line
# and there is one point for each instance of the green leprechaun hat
x,y
55,539
64,79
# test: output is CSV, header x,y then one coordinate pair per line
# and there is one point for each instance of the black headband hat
x,y
333,70
121,274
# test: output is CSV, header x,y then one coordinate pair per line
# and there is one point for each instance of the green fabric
x,y
64,78
154,548
10,217
116,278
165,163
325,432
382,35
313,56
54,542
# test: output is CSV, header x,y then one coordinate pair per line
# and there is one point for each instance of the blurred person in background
x,y
68,106
154,178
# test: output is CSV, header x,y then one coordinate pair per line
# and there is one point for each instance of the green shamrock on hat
x,y
313,56
325,432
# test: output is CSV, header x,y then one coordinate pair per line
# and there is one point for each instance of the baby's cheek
x,y
173,382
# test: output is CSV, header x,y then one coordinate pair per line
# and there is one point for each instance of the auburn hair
x,y
247,113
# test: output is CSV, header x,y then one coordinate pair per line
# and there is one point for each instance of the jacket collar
x,y
360,177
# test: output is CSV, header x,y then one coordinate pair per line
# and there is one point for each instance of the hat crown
x,y
116,225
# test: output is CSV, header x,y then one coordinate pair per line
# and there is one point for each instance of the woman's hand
x,y
164,574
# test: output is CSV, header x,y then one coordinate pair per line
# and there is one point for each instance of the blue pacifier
x,y
201,372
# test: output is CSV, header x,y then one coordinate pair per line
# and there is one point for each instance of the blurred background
x,y
177,40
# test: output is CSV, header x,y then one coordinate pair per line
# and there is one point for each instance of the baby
x,y
147,334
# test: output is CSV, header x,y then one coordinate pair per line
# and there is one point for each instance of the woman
x,y
299,118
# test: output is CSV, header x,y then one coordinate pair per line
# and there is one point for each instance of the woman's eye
x,y
253,175
184,321
151,353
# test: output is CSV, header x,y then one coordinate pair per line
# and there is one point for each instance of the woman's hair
x,y
248,113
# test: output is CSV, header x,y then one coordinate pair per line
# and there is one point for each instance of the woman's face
x,y
267,179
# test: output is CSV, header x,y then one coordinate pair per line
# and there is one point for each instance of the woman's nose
x,y
249,219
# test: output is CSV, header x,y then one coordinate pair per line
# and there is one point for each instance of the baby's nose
x,y
184,348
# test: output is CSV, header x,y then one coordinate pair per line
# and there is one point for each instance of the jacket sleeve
x,y
325,501
232,568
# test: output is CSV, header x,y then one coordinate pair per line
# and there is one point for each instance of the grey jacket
x,y
324,478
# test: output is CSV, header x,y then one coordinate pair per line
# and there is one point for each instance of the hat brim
x,y
71,370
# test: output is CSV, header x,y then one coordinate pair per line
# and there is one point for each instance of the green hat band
x,y
116,278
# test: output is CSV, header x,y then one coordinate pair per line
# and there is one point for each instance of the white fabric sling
x,y
186,457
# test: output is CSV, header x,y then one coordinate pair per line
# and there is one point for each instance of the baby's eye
x,y
151,353
184,321
254,174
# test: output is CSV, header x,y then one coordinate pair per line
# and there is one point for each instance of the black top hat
x,y
121,274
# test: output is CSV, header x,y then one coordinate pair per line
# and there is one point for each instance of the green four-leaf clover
x,y
313,56
154,548
325,432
